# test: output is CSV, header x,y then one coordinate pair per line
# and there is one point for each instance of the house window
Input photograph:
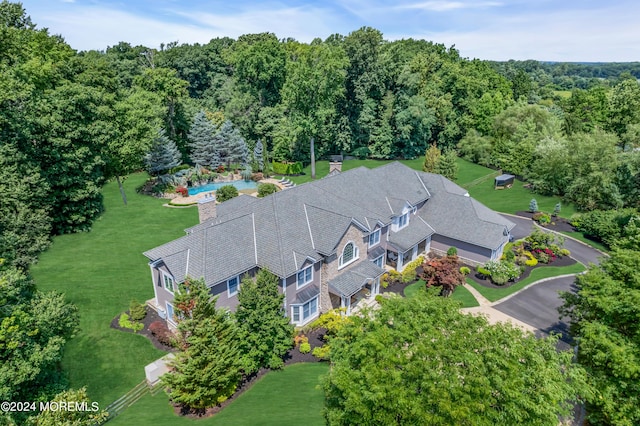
x,y
378,261
305,276
374,238
349,254
168,282
403,220
170,313
232,286
300,314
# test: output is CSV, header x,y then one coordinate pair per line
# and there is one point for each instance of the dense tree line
x,y
69,121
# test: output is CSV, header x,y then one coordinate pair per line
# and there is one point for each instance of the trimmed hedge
x,y
287,168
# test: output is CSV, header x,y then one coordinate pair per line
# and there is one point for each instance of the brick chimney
x,y
207,207
335,166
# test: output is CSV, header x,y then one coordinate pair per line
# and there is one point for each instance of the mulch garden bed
x,y
558,223
562,261
147,320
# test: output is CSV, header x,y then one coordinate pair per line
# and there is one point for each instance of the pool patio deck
x,y
192,200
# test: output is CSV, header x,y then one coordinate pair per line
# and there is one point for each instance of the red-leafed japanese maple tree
x,y
443,272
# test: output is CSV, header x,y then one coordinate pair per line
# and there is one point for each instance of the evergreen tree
x,y
231,145
207,370
265,330
204,146
533,205
431,158
447,165
257,155
164,155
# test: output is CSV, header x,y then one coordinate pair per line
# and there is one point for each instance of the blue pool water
x,y
240,184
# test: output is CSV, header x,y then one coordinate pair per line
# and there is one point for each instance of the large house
x,y
329,240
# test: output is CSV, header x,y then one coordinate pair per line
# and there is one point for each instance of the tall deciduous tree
x,y
604,314
34,328
314,84
207,370
266,332
421,361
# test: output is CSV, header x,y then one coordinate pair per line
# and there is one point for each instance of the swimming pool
x,y
240,184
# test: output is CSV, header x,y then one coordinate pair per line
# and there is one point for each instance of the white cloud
x,y
445,6
86,28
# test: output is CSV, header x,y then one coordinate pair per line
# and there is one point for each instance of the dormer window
x,y
350,254
374,238
403,220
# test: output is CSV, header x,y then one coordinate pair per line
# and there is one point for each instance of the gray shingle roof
x,y
417,230
279,231
452,213
352,280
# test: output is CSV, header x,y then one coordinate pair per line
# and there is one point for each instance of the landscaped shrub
x,y
182,191
379,298
304,348
161,332
246,174
452,251
604,225
409,271
533,205
390,277
286,168
542,218
509,256
300,339
226,192
361,153
125,322
179,168
501,272
333,321
556,209
220,169
265,189
484,272
322,352
137,311
465,270
565,252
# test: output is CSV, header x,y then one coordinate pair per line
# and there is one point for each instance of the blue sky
x,y
550,30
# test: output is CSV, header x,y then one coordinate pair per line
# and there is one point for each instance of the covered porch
x,y
408,243
358,286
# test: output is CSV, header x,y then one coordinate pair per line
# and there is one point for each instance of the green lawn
x,y
100,272
288,397
494,294
461,294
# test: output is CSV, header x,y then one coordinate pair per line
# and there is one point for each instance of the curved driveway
x,y
538,305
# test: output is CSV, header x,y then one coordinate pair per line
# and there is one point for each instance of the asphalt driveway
x,y
538,305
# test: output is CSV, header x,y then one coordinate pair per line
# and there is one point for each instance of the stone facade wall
x,y
207,208
330,266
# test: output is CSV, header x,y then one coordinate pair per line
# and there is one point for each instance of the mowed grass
x,y
288,397
494,294
101,271
461,294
